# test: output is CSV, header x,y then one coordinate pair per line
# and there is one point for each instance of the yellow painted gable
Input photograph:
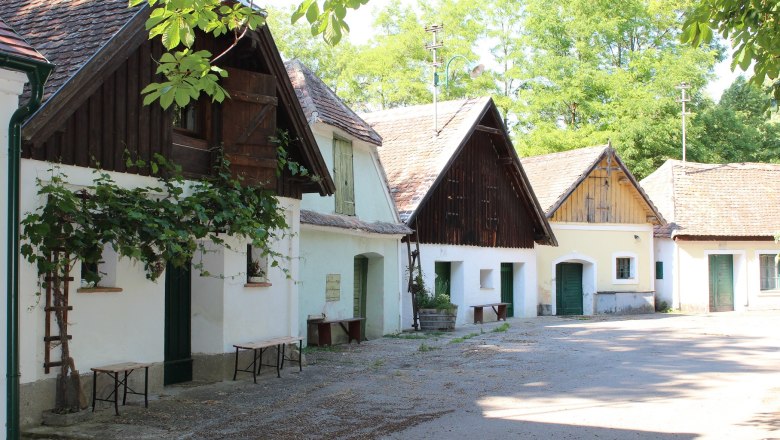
x,y
607,195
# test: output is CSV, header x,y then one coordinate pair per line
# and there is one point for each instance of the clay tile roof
x,y
412,155
66,32
349,222
321,104
13,44
727,200
554,176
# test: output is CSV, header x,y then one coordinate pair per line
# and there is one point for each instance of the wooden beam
x,y
490,130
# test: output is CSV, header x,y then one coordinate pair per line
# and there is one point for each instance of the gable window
x,y
624,268
769,272
186,118
343,175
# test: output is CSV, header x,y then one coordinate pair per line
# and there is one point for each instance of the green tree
x,y
189,73
753,27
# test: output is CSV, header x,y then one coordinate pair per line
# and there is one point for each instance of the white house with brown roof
x,y
184,324
350,241
604,223
718,251
463,191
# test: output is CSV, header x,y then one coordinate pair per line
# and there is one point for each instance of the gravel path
x,y
655,376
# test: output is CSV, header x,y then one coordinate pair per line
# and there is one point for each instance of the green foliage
x,y
187,73
425,347
428,300
753,26
501,328
464,338
154,225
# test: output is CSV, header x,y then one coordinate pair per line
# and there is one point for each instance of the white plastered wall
x,y
372,199
466,264
332,251
666,253
692,273
107,327
225,311
11,86
596,246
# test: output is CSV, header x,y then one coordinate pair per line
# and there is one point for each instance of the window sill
x,y
769,293
266,284
486,288
625,281
99,290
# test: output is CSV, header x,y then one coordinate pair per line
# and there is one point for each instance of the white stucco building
x,y
350,253
459,184
718,252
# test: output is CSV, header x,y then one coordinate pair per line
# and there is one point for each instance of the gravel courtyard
x,y
655,377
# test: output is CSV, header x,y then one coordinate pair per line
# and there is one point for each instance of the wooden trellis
x,y
55,303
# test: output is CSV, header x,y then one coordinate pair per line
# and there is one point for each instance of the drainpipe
x,y
37,72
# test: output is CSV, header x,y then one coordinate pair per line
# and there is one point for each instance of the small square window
x,y
623,268
486,278
256,266
770,272
659,270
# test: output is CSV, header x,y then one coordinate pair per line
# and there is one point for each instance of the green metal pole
x,y
37,74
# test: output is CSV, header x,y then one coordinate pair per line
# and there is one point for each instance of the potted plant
x,y
435,310
254,273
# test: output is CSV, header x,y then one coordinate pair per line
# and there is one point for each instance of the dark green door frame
x,y
721,282
508,288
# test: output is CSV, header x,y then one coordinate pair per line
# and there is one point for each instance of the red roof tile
x,y
321,104
13,44
413,156
67,32
728,200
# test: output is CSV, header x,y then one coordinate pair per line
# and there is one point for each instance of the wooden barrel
x,y
437,320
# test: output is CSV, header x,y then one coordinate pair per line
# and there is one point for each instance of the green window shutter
x,y
659,270
344,176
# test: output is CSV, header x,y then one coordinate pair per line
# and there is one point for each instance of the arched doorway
x,y
368,293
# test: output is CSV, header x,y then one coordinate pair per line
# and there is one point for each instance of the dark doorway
x,y
568,289
508,288
178,332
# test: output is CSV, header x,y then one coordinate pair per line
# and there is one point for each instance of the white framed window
x,y
769,271
343,176
256,266
624,268
100,276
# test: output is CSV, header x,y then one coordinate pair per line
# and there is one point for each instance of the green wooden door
x,y
178,338
721,283
443,270
568,289
360,287
508,288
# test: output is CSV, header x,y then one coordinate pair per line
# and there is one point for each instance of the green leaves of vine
x,y
154,225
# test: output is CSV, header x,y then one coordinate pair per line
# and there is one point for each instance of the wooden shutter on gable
x,y
248,124
343,175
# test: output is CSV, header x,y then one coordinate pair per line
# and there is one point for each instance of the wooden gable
x,y
103,118
479,200
606,195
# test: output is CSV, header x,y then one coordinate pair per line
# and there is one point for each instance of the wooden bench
x,y
259,347
113,370
352,329
499,308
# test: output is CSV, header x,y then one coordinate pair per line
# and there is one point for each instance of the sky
x,y
360,22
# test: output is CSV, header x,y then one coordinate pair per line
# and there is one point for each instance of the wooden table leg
x,y
323,334
501,313
478,316
354,331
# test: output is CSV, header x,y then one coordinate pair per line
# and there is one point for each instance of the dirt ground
x,y
644,377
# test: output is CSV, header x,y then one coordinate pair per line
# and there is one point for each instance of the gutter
x,y
37,73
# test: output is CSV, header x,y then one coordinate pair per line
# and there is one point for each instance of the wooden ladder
x,y
50,279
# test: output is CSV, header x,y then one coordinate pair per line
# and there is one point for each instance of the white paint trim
x,y
589,272
603,227
634,280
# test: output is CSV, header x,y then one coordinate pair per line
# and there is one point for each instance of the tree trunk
x,y
69,396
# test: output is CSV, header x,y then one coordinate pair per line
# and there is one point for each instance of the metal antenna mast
x,y
435,44
683,99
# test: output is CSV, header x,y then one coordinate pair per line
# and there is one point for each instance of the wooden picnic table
x,y
259,347
113,370
351,326
499,308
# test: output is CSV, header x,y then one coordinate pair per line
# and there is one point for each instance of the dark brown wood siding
x,y
477,202
110,121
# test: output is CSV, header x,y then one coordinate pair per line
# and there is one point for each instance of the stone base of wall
x,y
624,303
544,310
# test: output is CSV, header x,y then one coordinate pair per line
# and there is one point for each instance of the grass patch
x,y
378,363
463,338
501,328
425,347
316,349
415,335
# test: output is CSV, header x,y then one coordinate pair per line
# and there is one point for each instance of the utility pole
x,y
435,44
683,99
